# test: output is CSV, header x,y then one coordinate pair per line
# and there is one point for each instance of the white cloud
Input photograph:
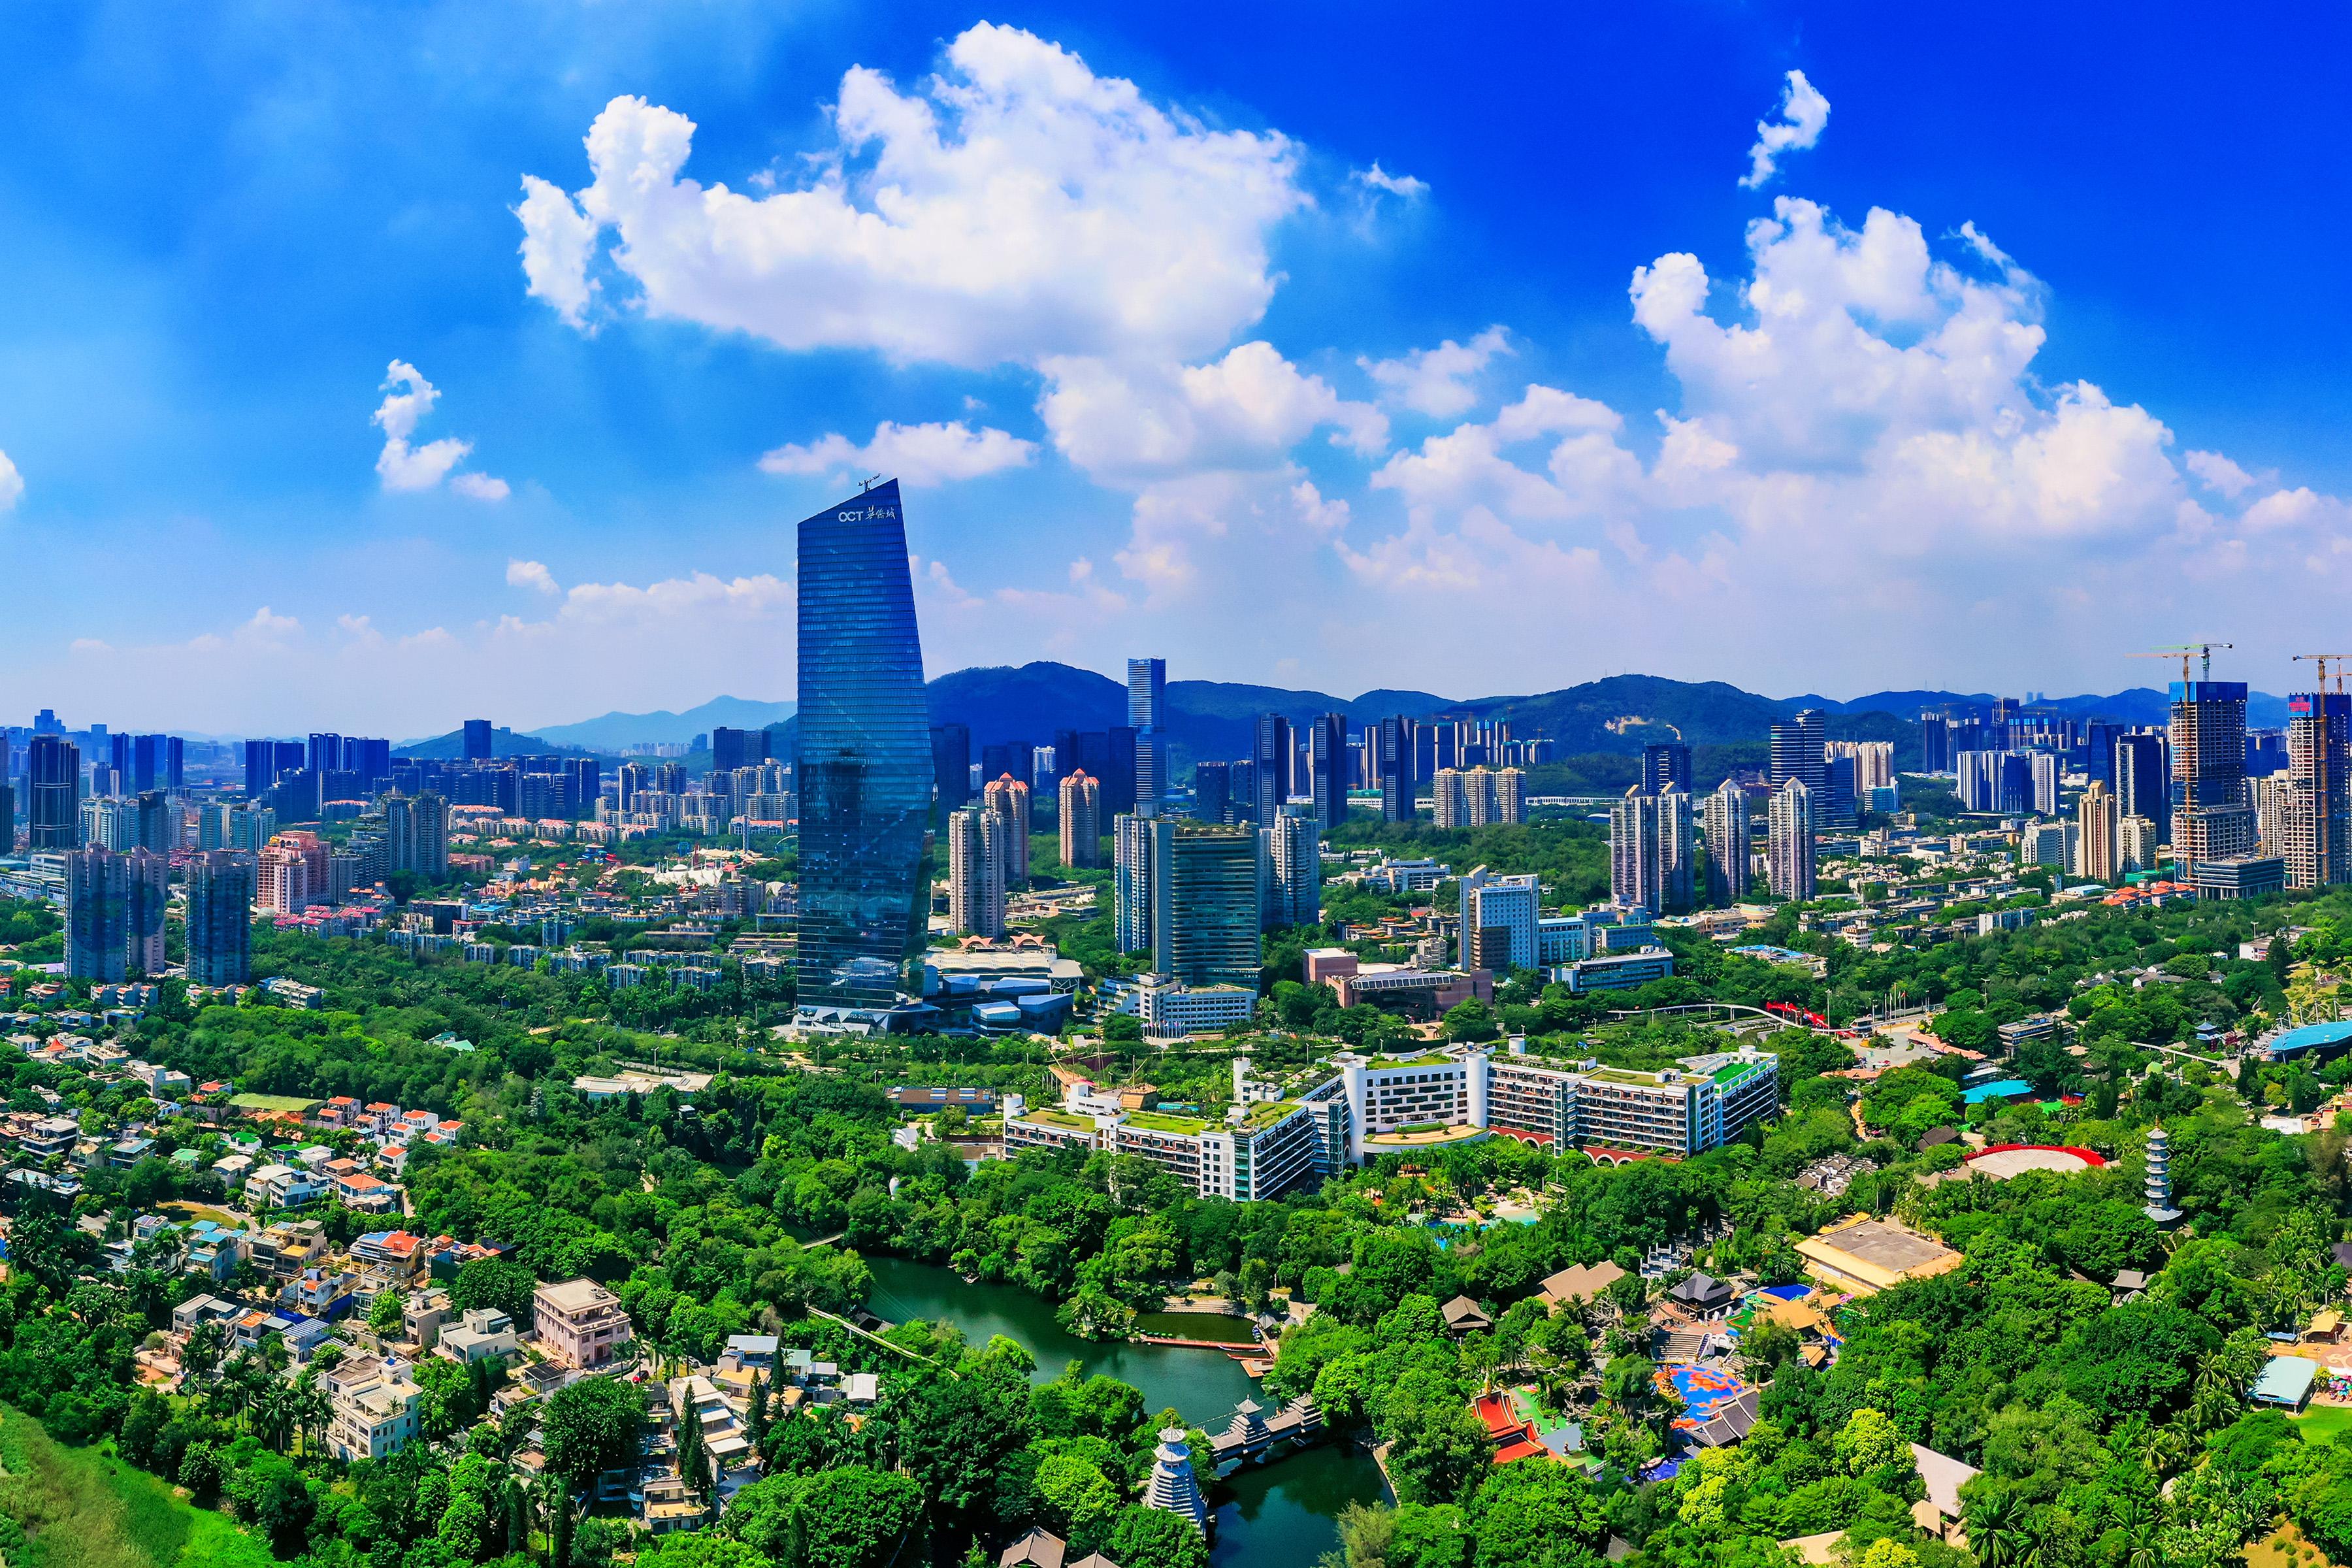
x,y
918,454
1803,115
1014,208
1437,381
532,574
2219,473
12,484
408,398
1379,179
1127,423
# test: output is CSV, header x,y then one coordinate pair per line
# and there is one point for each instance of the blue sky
x,y
2029,351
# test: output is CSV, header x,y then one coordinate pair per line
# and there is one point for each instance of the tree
x,y
591,1425
1533,1515
1154,1538
383,1313
496,1282
1869,1441
1471,1020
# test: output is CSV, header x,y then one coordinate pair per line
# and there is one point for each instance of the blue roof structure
x,y
2284,1380
2001,1091
2310,1037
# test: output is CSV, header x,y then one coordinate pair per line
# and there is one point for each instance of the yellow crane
x,y
2342,660
2322,755
2184,652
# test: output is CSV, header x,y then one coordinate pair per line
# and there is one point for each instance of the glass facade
x,y
863,759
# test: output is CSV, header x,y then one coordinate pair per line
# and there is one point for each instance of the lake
x,y
1278,1513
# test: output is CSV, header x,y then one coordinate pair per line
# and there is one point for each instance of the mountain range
x,y
1619,713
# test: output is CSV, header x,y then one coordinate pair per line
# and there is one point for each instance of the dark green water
x,y
1279,1514
1213,1326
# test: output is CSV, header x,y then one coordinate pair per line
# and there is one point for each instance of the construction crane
x,y
2342,660
2184,652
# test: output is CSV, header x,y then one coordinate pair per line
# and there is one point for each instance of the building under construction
x,y
2315,827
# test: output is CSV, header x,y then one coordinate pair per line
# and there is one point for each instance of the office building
x,y
1270,767
1788,841
1080,810
2098,835
2055,845
1729,855
1212,792
951,764
114,913
52,793
732,749
416,835
1146,715
1800,751
2315,830
864,759
1499,918
2213,818
1649,851
1326,743
1293,868
220,887
1664,763
1206,902
476,747
1398,760
976,857
1995,781
1008,797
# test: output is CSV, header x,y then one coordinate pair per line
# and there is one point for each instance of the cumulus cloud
x,y
532,574
1437,381
403,465
12,484
1126,423
2218,473
918,454
1014,208
1803,115
1379,179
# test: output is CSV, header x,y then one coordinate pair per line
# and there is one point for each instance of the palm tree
x,y
311,1411
1995,1529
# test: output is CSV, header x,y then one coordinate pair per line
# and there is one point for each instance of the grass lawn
x,y
285,1102
84,1508
2322,1422
206,1211
2285,1548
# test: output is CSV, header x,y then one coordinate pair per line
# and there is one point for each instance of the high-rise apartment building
x,y
1293,877
1008,797
474,740
1131,843
220,919
114,913
1449,795
2315,830
1510,795
1650,859
1270,760
2142,845
1398,758
863,757
2212,819
416,835
1206,907
53,793
2099,840
1788,841
2045,782
1080,811
1729,854
976,872
1873,763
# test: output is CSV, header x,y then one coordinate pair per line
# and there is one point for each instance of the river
x,y
1281,1513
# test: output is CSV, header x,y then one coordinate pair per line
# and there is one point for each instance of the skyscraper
x,y
1398,758
1146,715
1080,810
1449,797
976,872
1271,755
1789,843
732,749
114,913
220,919
2142,784
863,759
1205,903
53,791
1665,763
477,741
2099,844
2315,839
1212,792
1728,853
1131,882
1327,760
951,764
2045,782
1008,797
2211,817
1799,751
1294,889
416,835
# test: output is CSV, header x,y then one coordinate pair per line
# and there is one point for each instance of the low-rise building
x,y
579,1323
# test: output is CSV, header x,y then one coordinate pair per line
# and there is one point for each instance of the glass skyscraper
x,y
863,760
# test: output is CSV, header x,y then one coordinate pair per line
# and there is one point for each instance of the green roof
x,y
1153,1121
1268,1114
1436,1059
1057,1118
1730,1070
